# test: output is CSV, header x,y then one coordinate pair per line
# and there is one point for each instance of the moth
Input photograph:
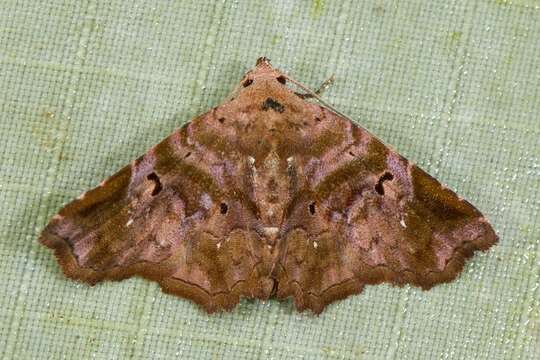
x,y
268,196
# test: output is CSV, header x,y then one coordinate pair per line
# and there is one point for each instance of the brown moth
x,y
268,195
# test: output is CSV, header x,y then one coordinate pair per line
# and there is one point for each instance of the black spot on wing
x,y
270,103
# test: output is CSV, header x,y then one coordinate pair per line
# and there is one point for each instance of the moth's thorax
x,y
265,90
274,110
271,116
271,188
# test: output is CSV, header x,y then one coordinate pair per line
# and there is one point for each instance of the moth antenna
x,y
315,94
325,85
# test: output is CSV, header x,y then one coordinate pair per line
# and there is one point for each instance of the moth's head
x,y
263,72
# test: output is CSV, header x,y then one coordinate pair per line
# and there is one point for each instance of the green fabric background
x,y
86,86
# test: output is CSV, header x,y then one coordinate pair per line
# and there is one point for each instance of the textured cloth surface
x,y
86,86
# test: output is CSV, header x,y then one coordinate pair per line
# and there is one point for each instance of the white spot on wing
x,y
270,231
290,162
251,162
129,222
402,222
205,201
315,244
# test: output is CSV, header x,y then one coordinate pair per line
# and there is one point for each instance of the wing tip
x,y
65,257
462,254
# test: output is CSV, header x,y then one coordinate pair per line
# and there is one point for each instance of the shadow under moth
x,y
268,195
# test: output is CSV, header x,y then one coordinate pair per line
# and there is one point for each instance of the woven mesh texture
x,y
453,85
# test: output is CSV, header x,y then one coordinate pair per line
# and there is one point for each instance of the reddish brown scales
x,y
268,195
